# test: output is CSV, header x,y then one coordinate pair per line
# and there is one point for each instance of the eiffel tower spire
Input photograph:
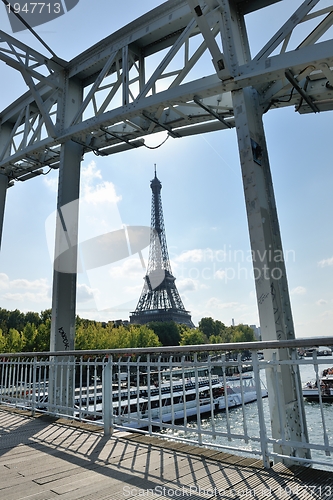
x,y
160,299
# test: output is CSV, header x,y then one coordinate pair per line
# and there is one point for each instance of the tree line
x,y
30,332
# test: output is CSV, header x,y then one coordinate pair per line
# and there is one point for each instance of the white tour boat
x,y
311,391
239,391
171,402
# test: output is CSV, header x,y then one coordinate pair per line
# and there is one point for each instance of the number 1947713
x,y
34,8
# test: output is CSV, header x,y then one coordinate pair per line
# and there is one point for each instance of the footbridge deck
x,y
42,458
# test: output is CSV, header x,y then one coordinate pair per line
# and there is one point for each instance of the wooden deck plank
x,y
22,490
67,474
77,482
42,459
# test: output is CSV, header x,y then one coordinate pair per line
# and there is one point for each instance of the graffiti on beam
x,y
64,337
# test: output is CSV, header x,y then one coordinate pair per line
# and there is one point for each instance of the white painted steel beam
x,y
5,133
64,278
271,69
286,29
115,69
276,323
284,387
66,243
19,55
273,300
3,191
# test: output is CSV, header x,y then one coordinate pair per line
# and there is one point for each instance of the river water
x,y
236,422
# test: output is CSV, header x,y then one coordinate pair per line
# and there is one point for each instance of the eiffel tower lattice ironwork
x,y
160,299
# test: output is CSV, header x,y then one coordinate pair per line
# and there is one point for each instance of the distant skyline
x,y
202,195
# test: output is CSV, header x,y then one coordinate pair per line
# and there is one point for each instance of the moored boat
x,y
311,392
239,391
176,401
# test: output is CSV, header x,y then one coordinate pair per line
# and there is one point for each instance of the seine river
x,y
313,417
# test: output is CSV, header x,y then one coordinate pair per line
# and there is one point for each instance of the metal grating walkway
x,y
42,458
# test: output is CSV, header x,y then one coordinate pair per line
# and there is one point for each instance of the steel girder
x,y
155,75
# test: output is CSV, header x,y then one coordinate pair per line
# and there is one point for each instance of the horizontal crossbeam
x,y
122,103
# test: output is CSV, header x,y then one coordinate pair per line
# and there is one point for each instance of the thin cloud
x,y
133,289
90,172
39,284
51,183
187,285
321,302
218,304
23,290
84,293
129,268
4,281
299,290
220,274
100,192
195,255
326,262
202,255
24,297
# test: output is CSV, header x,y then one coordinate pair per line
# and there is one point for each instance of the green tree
x,y
168,332
215,339
86,336
4,315
14,341
33,318
193,336
93,335
146,337
16,320
243,333
210,327
29,336
2,342
134,336
42,339
45,315
207,326
226,335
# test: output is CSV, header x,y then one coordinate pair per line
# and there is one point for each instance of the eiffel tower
x,y
160,299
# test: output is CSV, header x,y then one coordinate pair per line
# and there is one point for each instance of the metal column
x,y
65,264
276,323
3,191
62,383
5,132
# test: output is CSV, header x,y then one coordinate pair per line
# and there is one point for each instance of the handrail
x,y
250,346
124,389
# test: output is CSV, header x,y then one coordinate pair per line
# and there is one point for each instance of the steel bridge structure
x,y
108,99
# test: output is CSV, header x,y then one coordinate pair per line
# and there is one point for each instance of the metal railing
x,y
211,395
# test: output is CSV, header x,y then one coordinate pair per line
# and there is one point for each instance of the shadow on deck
x,y
43,458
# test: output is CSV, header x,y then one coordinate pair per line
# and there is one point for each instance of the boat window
x,y
190,397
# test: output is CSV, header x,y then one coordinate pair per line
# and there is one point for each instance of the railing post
x,y
106,397
262,424
34,388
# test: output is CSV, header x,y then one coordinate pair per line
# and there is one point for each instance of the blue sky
x,y
202,195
